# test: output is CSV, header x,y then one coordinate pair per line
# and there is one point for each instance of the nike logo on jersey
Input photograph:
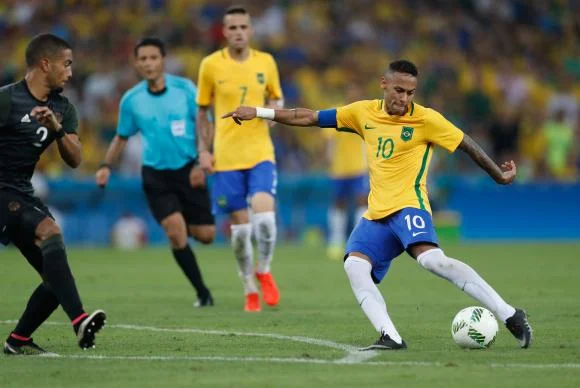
x,y
221,81
25,119
369,127
415,234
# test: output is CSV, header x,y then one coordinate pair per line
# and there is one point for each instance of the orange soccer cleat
x,y
270,291
252,303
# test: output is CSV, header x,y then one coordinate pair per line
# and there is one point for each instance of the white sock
x,y
242,245
465,277
337,226
265,230
369,297
359,213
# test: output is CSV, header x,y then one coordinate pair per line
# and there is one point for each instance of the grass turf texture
x,y
146,288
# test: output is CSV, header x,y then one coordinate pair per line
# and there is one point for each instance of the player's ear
x,y
44,65
383,82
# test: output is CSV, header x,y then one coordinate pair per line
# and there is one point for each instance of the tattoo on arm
x,y
471,148
295,113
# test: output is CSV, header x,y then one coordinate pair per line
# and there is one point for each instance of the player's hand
x,y
197,177
46,117
102,176
241,113
206,162
509,172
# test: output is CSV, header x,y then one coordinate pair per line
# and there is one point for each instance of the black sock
x,y
57,274
186,260
41,304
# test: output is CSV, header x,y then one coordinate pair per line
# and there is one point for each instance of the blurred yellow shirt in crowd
x,y
348,158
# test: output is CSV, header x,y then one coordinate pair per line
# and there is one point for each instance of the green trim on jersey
x,y
420,176
412,109
5,105
381,104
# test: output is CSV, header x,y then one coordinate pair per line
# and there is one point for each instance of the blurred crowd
x,y
505,71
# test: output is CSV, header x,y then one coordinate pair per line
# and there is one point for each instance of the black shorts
x,y
169,191
20,214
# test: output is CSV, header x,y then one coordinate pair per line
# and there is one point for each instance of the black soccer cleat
x,y
386,343
29,348
520,328
89,327
204,302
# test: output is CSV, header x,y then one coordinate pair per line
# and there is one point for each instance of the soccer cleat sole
x,y
382,347
90,327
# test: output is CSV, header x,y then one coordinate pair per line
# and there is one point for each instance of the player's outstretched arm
x,y
115,149
504,175
299,117
205,133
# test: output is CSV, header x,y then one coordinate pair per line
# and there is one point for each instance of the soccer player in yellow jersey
x,y
242,158
400,136
348,172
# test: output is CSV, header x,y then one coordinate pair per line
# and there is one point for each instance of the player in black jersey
x,y
33,114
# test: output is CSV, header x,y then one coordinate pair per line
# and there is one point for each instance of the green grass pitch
x,y
155,338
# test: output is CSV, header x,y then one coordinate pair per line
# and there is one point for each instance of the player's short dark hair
x,y
44,46
150,41
236,9
403,66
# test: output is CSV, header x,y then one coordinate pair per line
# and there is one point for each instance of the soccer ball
x,y
474,328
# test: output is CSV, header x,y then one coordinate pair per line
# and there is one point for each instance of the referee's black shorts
x,y
169,191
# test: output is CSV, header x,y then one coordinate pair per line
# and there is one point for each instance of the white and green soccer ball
x,y
474,328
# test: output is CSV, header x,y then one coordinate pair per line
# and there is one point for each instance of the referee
x,y
162,108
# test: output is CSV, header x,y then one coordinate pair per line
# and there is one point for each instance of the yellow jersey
x,y
227,84
348,157
399,150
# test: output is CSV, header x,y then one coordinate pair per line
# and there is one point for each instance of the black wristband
x,y
105,165
60,134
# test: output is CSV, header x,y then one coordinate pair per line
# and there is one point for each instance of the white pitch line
x,y
354,356
294,360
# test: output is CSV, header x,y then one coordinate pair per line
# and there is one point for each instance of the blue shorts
x,y
383,240
231,189
345,188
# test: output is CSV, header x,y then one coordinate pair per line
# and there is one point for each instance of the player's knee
x,y
357,268
435,260
47,229
52,244
205,235
177,238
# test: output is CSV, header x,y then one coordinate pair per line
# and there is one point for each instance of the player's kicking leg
x,y
467,279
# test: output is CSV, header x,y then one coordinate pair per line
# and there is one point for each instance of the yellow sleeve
x,y
442,132
204,84
346,119
273,86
